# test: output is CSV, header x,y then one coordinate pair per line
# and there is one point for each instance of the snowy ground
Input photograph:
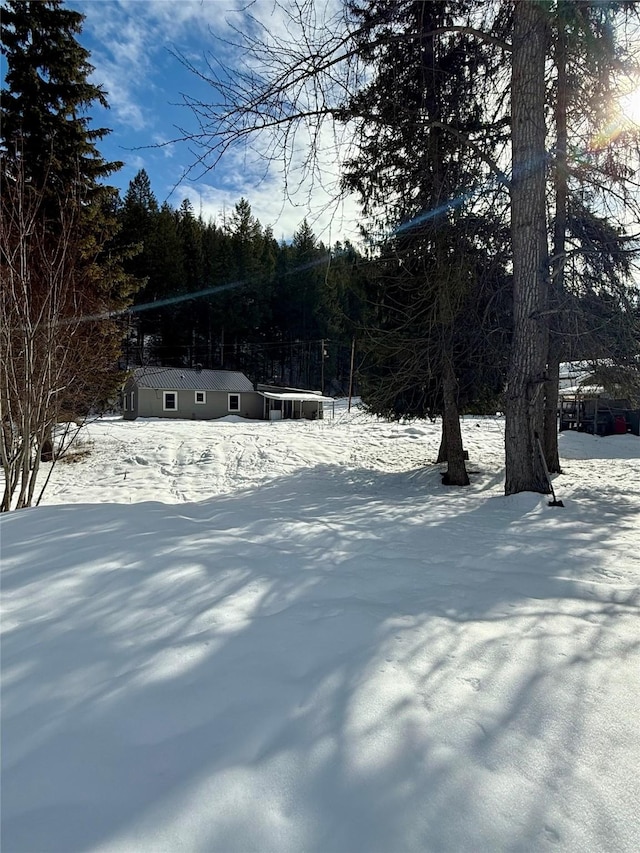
x,y
233,636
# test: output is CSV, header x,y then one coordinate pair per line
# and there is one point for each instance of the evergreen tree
x,y
215,262
138,210
138,223
344,298
301,310
248,305
168,287
189,312
416,175
46,102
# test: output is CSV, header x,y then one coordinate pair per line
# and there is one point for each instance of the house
x,y
198,394
176,392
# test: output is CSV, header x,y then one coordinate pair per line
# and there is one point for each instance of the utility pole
x,y
353,355
323,355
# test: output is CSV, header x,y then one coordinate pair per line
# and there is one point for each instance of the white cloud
x,y
303,182
330,219
166,145
136,162
130,44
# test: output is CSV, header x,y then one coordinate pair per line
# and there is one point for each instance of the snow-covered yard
x,y
286,637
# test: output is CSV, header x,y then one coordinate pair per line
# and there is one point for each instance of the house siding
x,y
149,403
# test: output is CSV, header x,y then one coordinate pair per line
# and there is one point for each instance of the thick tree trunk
x,y
525,397
552,385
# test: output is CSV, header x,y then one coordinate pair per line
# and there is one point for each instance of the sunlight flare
x,y
630,108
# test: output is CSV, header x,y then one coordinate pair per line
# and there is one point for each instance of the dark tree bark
x,y
456,470
551,401
551,388
442,450
525,397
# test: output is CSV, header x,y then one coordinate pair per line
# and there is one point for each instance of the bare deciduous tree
x,y
51,332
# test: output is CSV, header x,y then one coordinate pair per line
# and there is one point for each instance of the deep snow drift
x,y
236,636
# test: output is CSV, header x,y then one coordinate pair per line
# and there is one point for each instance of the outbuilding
x,y
591,409
586,405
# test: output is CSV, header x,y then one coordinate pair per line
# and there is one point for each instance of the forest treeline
x,y
229,295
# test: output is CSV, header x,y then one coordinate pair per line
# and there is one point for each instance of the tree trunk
x,y
552,385
551,398
46,448
525,398
442,452
456,469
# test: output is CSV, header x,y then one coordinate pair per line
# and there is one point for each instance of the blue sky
x,y
131,44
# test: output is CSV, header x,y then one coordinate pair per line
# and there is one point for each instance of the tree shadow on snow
x,y
336,661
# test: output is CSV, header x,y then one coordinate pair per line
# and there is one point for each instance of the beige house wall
x,y
150,403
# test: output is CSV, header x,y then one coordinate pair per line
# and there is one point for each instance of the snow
x,y
235,636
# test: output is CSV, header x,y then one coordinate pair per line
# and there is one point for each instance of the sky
x,y
133,45
232,636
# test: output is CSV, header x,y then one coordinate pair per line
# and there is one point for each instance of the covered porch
x,y
294,405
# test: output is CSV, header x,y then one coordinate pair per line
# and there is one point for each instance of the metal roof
x,y
582,391
186,379
298,396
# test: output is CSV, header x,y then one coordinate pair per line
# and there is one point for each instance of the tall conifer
x,y
417,173
48,94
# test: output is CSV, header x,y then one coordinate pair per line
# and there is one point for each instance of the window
x,y
170,401
234,402
133,401
124,403
201,396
